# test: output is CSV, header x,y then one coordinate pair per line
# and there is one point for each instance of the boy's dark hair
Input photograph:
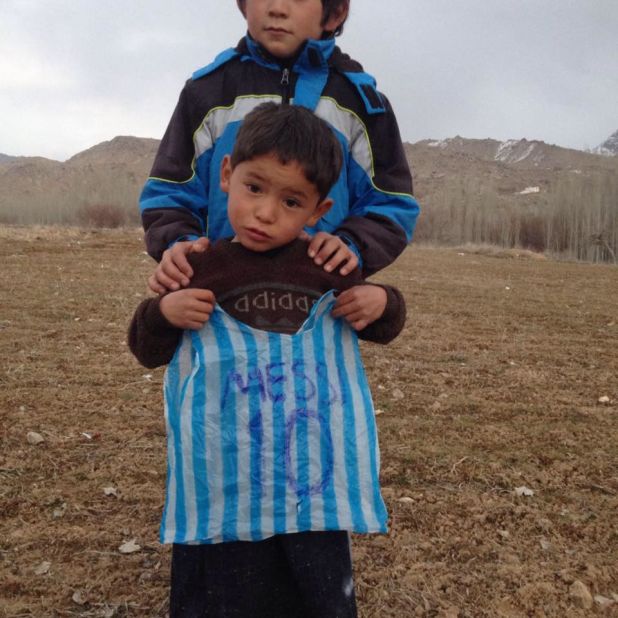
x,y
328,8
291,133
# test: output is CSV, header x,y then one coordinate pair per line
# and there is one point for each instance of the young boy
x,y
272,454
288,55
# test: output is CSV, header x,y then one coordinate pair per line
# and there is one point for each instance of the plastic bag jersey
x,y
269,433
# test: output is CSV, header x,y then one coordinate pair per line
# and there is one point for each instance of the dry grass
x,y
499,252
493,385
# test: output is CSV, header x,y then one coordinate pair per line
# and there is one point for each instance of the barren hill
x,y
470,190
509,169
5,158
38,190
126,150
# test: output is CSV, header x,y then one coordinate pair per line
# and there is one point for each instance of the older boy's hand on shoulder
x,y
331,251
188,309
360,305
174,270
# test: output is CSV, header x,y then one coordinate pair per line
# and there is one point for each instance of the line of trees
x,y
575,217
91,201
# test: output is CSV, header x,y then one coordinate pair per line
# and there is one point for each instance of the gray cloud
x,y
74,73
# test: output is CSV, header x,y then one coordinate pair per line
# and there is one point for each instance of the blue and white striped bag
x,y
269,433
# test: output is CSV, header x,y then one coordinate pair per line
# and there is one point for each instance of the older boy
x,y
293,509
288,55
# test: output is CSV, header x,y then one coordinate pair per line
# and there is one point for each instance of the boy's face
x,y
269,203
282,26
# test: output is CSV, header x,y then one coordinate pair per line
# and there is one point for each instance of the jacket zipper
x,y
285,85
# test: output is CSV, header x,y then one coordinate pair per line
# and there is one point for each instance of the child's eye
x,y
253,188
292,203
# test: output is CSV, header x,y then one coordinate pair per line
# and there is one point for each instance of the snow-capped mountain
x,y
609,147
520,153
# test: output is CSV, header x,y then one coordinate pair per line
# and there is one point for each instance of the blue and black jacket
x,y
374,211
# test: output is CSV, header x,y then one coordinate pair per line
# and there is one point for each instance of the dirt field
x,y
498,384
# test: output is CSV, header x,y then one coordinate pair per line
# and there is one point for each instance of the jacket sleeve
x,y
392,321
383,211
173,203
152,339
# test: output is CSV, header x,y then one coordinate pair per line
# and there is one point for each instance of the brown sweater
x,y
273,290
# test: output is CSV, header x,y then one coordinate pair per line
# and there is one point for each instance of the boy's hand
x,y
331,251
360,305
174,271
188,309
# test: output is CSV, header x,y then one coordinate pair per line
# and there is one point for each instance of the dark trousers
x,y
301,575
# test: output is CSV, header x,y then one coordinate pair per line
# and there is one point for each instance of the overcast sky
x,y
74,73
